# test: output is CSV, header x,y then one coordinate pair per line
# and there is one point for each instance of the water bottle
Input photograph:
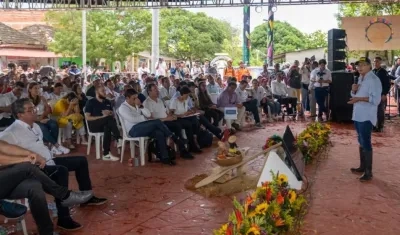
x,y
53,208
136,161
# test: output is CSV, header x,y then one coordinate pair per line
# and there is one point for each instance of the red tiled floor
x,y
152,199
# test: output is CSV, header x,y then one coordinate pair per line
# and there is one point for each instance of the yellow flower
x,y
277,211
282,178
253,230
261,208
292,196
307,135
252,214
223,229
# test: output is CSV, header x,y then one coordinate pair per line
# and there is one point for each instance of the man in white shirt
x,y
305,71
320,79
166,91
24,132
6,100
196,70
212,87
161,67
249,103
137,120
143,69
22,176
280,92
158,111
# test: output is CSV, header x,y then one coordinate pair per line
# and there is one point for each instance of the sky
x,y
307,19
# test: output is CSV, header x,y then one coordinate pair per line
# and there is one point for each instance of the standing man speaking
x,y
366,96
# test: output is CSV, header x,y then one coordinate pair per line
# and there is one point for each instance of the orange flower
x,y
279,222
279,199
248,202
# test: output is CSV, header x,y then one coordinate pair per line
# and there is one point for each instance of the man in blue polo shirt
x,y
366,96
99,114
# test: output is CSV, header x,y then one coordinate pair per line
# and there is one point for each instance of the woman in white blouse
x,y
48,126
179,107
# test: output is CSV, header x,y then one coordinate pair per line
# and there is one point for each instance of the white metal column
x,y
84,45
155,40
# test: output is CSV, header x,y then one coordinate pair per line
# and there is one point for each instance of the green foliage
x,y
317,39
112,35
286,38
187,35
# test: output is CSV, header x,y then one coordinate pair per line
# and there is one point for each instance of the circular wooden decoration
x,y
379,29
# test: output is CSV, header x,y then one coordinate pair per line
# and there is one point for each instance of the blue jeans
x,y
50,131
320,96
364,130
275,107
154,129
305,100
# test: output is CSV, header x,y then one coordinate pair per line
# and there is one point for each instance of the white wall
x,y
319,53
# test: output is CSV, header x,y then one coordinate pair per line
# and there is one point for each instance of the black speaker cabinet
x,y
339,96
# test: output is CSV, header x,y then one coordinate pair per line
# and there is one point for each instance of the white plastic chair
x,y
98,137
21,221
61,138
142,143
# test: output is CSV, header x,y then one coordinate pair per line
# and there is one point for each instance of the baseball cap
x,y
363,59
94,77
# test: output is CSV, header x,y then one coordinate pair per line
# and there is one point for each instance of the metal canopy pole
x,y
155,45
246,33
84,46
270,33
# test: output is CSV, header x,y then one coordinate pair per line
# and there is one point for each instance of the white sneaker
x,y
110,157
84,142
63,149
119,143
56,151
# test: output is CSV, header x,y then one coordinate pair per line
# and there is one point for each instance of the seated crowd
x,y
40,116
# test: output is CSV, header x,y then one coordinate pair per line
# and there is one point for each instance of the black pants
x,y
251,106
214,115
289,102
191,127
4,122
28,181
213,129
108,126
156,130
60,173
381,114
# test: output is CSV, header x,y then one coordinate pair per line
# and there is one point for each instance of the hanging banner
x,y
372,33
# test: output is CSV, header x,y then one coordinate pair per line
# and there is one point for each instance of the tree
x,y
190,36
317,39
286,38
233,46
112,35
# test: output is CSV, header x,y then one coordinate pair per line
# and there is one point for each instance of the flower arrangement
x,y
275,139
270,209
313,139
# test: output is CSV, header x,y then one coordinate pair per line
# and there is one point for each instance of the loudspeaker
x,y
340,89
336,49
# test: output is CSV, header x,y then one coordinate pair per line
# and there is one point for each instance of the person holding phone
x,y
320,79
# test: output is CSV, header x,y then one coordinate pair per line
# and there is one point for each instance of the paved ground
x,y
152,199
341,204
